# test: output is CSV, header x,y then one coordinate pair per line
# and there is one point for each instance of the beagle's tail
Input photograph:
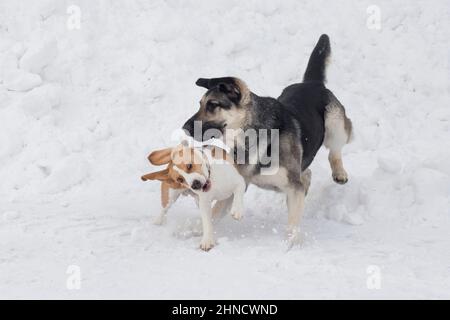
x,y
318,61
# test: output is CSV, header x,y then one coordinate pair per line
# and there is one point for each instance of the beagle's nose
x,y
196,185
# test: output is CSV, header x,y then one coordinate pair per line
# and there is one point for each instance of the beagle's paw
x,y
236,214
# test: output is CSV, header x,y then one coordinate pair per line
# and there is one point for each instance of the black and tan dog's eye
x,y
211,105
180,180
189,166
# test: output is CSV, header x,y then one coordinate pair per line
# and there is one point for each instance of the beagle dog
x,y
208,174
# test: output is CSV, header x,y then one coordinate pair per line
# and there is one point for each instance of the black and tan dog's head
x,y
223,106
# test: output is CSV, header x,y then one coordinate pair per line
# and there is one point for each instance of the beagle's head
x,y
186,168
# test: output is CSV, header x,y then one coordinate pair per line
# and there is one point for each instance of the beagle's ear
x,y
160,157
162,175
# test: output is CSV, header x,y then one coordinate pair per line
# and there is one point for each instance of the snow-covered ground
x,y
80,108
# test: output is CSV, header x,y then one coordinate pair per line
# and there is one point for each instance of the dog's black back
x,y
298,114
302,105
306,103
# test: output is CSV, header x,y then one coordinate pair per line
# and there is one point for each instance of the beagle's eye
x,y
189,166
180,180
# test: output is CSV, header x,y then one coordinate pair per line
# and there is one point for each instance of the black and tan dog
x,y
306,115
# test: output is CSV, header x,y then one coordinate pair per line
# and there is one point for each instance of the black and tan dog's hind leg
x,y
295,196
305,179
338,132
296,205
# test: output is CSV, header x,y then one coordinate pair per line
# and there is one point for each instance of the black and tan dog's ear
x,y
211,83
232,87
232,91
202,82
162,175
160,157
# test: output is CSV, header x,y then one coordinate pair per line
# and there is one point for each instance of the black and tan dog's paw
x,y
340,177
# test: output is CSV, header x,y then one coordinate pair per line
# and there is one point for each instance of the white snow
x,y
37,58
10,215
80,109
41,100
19,80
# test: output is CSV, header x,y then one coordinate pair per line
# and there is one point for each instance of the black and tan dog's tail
x,y
318,61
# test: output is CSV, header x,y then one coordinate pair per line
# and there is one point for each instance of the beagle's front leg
x,y
208,237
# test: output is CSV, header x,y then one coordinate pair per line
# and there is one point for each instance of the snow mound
x,y
38,57
66,174
40,101
19,80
